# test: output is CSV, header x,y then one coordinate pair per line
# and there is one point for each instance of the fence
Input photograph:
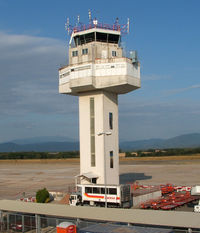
x,y
18,222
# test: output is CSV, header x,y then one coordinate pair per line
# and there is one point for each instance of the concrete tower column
x,y
98,112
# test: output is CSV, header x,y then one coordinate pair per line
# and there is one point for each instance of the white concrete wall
x,y
112,141
95,50
122,75
104,103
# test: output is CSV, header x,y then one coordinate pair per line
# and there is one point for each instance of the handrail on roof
x,y
84,27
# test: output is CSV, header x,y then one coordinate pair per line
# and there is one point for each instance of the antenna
x,y
67,26
90,15
94,23
128,25
117,21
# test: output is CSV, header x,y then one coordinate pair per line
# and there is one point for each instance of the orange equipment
x,y
66,227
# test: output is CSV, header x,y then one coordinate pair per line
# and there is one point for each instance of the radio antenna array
x,y
123,28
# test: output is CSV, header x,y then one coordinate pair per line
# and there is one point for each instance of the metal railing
x,y
13,222
114,27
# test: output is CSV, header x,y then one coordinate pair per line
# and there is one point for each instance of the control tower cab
x,y
97,62
97,72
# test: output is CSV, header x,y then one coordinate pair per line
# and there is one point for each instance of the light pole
x,y
105,134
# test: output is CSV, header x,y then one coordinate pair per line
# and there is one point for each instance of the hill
x,y
40,147
41,144
182,141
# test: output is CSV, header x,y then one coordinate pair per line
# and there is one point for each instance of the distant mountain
x,y
141,144
41,144
9,147
39,147
42,139
186,140
182,141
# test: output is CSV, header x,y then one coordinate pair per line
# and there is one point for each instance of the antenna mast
x,y
90,16
128,25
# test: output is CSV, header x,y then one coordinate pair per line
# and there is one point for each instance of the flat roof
x,y
147,217
96,29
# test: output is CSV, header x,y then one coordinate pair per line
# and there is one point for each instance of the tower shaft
x,y
98,124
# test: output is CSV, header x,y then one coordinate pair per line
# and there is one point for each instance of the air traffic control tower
x,y
97,73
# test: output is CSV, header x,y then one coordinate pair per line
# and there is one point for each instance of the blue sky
x,y
33,45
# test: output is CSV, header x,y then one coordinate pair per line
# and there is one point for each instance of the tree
x,y
42,195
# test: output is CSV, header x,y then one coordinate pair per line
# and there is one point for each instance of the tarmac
x,y
19,178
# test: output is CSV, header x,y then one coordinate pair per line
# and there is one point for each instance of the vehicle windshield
x,y
73,197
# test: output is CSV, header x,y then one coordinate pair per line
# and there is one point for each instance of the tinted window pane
x,y
96,190
92,132
111,159
88,189
110,120
114,53
112,191
102,190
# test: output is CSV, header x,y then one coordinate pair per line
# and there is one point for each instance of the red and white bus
x,y
96,195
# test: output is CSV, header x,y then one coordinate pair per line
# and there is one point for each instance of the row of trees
x,y
76,154
165,152
39,155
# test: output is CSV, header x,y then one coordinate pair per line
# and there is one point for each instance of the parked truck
x,y
98,195
197,208
196,191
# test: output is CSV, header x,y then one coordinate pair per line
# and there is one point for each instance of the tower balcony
x,y
117,75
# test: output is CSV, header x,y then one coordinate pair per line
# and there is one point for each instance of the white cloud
x,y
155,77
29,74
30,104
179,90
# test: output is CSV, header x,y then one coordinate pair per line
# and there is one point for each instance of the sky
x,y
33,46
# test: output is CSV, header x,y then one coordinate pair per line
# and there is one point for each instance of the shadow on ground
x,y
132,177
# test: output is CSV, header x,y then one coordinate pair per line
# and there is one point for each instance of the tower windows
x,y
84,51
94,180
111,159
92,132
114,53
75,53
110,120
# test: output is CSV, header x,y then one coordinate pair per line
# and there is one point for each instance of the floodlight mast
x,y
97,73
105,175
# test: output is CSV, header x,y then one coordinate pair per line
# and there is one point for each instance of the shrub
x,y
42,195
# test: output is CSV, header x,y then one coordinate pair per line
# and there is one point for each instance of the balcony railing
x,y
100,61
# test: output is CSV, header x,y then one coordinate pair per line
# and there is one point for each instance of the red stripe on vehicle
x,y
92,196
